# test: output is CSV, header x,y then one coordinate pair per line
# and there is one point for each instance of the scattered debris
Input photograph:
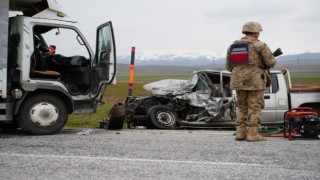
x,y
85,132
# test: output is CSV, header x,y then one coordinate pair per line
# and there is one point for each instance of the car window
x,y
200,86
274,88
275,84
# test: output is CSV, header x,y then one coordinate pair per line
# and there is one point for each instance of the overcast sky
x,y
210,25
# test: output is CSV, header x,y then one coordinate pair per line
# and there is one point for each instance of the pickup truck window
x,y
275,85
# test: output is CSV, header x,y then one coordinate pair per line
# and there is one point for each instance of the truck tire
x,y
161,117
42,114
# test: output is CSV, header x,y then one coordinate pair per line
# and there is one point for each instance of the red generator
x,y
303,121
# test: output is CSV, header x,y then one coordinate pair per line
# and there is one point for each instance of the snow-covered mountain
x,y
172,57
204,58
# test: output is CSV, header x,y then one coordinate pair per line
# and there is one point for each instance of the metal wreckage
x,y
204,101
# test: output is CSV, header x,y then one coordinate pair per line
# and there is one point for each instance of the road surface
x,y
155,154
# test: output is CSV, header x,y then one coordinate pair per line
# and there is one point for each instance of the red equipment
x,y
303,120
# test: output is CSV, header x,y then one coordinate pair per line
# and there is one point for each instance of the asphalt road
x,y
155,154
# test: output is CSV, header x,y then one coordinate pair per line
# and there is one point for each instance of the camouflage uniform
x,y
249,81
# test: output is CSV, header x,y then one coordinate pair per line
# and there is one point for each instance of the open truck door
x,y
103,68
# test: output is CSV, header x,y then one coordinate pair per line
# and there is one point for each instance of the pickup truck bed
x,y
304,89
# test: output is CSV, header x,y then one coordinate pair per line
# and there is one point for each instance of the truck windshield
x,y
66,42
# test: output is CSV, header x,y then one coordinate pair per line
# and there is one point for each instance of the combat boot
x,y
241,133
253,135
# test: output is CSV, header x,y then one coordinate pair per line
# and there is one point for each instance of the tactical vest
x,y
241,52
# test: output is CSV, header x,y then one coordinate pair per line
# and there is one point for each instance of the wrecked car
x,y
205,100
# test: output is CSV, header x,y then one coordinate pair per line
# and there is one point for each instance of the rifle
x,y
277,52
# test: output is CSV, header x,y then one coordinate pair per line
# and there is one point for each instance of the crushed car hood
x,y
183,89
172,86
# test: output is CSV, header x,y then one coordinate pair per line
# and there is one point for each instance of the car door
x,y
103,69
269,113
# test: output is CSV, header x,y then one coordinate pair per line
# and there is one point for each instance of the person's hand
x,y
283,70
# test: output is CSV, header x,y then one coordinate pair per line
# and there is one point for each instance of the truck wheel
x,y
162,117
42,114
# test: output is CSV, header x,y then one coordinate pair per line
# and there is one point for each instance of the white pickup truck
x,y
282,96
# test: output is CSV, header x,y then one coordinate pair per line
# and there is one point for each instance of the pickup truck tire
x,y
161,117
42,114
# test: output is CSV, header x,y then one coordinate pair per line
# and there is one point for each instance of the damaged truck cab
x,y
205,100
38,88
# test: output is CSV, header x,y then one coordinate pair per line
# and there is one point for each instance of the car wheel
x,y
162,117
42,114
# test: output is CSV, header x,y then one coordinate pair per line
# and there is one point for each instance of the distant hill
x,y
172,64
123,70
300,63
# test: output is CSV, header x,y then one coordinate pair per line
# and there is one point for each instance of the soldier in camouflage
x,y
247,59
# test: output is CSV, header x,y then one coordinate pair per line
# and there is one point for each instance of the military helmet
x,y
251,27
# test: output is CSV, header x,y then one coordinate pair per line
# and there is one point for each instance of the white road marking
x,y
131,159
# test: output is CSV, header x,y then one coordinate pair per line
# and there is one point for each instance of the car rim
x,y
165,118
44,114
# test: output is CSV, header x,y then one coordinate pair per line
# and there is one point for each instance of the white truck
x,y
39,89
282,96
